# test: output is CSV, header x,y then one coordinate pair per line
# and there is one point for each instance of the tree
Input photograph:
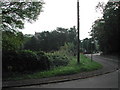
x,y
14,14
52,41
106,30
88,45
12,41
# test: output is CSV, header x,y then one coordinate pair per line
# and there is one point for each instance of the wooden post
x,y
78,56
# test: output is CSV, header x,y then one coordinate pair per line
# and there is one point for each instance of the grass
x,y
72,68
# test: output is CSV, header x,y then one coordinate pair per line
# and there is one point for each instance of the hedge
x,y
24,60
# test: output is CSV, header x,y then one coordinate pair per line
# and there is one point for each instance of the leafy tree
x,y
27,37
72,35
88,45
32,44
106,30
68,49
12,41
14,14
52,41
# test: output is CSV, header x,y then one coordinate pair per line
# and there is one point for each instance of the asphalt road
x,y
103,81
109,80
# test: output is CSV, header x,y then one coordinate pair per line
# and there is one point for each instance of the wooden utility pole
x,y
78,56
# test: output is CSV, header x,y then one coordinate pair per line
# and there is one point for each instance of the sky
x,y
63,13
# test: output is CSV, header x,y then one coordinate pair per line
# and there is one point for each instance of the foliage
x,y
11,40
44,62
28,61
27,37
32,44
63,56
86,45
69,49
51,41
89,45
57,59
106,30
24,60
8,59
15,13
71,68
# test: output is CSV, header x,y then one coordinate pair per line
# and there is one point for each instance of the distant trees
x,y
106,30
86,45
89,45
52,41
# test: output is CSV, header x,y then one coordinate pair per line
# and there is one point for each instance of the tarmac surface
x,y
109,80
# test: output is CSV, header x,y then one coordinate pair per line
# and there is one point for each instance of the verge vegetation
x,y
71,68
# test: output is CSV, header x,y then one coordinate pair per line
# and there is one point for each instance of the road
x,y
104,81
109,80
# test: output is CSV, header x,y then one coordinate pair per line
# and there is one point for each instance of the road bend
x,y
109,80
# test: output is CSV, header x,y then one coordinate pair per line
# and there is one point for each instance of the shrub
x,y
68,49
8,60
44,63
57,60
27,60
24,60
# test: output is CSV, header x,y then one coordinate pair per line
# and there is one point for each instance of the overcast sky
x,y
63,13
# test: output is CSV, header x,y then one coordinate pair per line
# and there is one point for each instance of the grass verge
x,y
72,68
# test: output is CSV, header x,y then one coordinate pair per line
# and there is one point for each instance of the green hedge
x,y
29,61
25,60
44,62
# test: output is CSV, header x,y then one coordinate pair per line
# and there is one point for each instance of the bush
x,y
8,60
44,63
57,60
24,60
27,60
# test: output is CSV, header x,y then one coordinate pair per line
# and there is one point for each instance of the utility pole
x,y
78,56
